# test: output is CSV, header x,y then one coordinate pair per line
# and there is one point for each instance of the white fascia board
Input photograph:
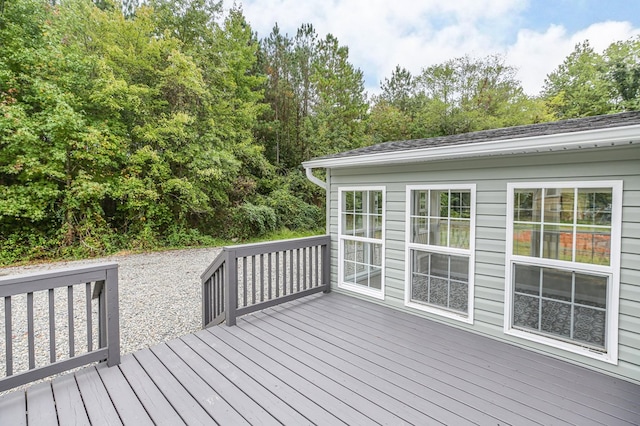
x,y
535,144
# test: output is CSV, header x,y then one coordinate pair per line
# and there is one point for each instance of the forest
x,y
174,124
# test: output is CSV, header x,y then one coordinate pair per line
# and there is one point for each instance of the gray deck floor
x,y
329,359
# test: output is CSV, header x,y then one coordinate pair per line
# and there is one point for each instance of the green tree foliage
x,y
589,83
460,95
121,131
316,97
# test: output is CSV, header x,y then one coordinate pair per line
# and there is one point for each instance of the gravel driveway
x,y
160,293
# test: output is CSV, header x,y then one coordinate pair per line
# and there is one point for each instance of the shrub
x,y
250,220
292,212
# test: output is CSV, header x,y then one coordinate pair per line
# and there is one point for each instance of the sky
x,y
534,36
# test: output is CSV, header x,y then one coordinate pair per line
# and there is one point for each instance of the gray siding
x,y
491,176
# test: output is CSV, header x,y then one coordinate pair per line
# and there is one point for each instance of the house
x,y
529,235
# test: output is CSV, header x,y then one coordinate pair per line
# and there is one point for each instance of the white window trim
x,y
378,294
613,270
470,252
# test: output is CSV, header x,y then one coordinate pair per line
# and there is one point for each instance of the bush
x,y
292,212
249,220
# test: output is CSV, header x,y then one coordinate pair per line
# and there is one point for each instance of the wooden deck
x,y
329,359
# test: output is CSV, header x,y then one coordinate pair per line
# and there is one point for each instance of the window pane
x,y
348,201
525,209
438,291
420,207
348,223
438,232
439,203
375,277
459,297
558,205
460,204
460,268
359,225
440,265
358,201
594,206
557,242
421,261
556,318
591,290
420,288
375,254
349,250
525,311
459,233
593,245
377,203
589,326
419,230
527,279
556,284
526,240
375,227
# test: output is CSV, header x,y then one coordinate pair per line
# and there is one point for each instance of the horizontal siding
x,y
491,177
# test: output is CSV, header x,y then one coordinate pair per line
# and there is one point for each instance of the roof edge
x,y
612,136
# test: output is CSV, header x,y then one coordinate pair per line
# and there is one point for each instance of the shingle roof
x,y
507,133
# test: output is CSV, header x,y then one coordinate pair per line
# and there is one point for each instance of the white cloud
x,y
415,34
537,54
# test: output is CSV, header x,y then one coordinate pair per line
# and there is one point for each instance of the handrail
x,y
100,294
246,278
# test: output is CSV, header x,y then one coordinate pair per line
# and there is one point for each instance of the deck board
x,y
41,406
184,403
129,407
13,409
154,401
329,359
96,400
69,406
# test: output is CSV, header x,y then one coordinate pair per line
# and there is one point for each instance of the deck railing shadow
x,y
57,321
247,278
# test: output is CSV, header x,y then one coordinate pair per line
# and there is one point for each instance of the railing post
x,y
113,317
231,286
326,265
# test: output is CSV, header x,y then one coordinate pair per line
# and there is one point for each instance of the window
x,y
361,239
440,250
563,265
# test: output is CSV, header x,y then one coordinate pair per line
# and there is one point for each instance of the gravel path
x,y
160,293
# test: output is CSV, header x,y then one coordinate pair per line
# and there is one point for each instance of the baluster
x,y
72,350
291,270
304,268
89,317
30,337
298,279
244,280
316,255
261,277
253,280
8,338
270,283
52,327
284,273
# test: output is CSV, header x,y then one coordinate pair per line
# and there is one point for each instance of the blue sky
x,y
533,35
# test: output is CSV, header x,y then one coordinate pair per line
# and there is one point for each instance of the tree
x,y
316,97
623,71
457,96
577,88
